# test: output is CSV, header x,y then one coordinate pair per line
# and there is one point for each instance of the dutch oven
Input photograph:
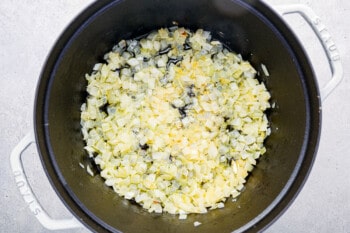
x,y
248,27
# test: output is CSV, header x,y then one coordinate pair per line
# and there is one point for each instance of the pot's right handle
x,y
326,40
27,193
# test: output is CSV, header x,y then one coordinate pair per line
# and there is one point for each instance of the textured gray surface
x,y
28,30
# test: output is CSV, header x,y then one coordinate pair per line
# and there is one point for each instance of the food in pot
x,y
175,121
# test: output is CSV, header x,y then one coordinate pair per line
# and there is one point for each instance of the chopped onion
x,y
264,69
175,121
196,223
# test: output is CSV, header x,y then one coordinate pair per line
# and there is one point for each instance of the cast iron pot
x,y
246,27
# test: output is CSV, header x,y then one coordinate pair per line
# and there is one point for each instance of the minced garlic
x,y
175,121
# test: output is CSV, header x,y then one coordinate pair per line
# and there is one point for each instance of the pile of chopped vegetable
x,y
175,121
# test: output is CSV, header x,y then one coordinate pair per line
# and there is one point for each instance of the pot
x,y
247,27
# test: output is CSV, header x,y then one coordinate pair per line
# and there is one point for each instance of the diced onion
x,y
175,121
264,69
196,223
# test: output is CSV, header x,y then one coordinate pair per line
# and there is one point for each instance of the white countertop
x,y
28,30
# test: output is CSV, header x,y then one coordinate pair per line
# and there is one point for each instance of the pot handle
x,y
27,193
326,40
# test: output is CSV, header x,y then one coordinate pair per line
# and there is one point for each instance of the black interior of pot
x,y
247,27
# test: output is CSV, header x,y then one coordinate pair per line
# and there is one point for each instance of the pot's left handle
x,y
27,193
